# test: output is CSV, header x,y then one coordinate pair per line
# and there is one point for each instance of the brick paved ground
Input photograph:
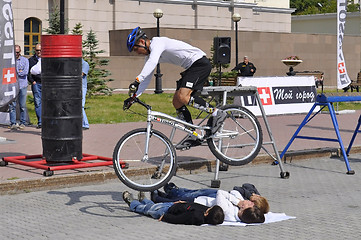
x,y
325,200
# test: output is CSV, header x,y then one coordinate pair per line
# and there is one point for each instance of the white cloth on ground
x,y
270,218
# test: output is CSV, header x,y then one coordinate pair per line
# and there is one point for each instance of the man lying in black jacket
x,y
179,212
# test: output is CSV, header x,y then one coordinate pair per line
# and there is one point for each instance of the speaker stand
x,y
220,75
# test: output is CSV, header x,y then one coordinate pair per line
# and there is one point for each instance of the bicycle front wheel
x,y
240,138
144,172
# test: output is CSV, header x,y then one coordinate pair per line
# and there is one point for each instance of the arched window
x,y
32,33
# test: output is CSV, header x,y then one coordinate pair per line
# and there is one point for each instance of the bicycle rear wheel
x,y
240,138
144,172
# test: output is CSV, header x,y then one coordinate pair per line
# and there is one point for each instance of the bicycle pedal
x,y
187,144
182,148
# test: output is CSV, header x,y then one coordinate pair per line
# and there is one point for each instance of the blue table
x,y
327,101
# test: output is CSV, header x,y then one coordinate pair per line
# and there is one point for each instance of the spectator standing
x,y
22,70
35,81
245,68
85,70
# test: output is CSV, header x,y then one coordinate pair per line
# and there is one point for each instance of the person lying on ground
x,y
179,212
235,208
173,193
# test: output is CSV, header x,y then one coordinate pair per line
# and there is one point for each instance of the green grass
x,y
13,178
348,105
109,109
342,105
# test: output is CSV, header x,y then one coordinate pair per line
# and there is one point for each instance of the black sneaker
x,y
218,120
153,196
169,186
127,197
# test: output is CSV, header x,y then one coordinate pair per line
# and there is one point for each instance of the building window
x,y
32,33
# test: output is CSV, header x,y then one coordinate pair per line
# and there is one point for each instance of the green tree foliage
x,y
54,22
97,75
305,7
78,29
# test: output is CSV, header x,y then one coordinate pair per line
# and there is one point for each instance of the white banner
x,y
9,86
343,79
280,95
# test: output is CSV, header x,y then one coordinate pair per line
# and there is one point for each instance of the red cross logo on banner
x,y
341,67
265,95
9,76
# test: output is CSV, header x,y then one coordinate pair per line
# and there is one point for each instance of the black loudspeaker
x,y
222,50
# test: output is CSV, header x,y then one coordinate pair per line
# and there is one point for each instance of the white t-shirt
x,y
227,201
167,50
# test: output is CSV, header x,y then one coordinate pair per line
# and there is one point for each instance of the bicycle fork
x,y
146,145
158,171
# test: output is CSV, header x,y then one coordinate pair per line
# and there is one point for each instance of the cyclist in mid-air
x,y
197,69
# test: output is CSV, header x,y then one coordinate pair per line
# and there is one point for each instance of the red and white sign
x,y
343,80
9,76
9,87
265,95
280,95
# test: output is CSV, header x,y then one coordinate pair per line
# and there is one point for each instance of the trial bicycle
x,y
144,159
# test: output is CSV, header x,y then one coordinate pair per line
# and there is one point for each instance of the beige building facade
x,y
104,15
264,33
264,49
326,23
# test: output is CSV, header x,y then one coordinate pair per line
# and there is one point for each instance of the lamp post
x,y
158,13
236,18
62,20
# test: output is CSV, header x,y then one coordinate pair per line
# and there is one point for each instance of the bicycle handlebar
x,y
133,99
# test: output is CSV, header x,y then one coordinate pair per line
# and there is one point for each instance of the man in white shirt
x,y
35,81
197,69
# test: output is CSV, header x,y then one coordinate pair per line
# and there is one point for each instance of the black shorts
x,y
195,76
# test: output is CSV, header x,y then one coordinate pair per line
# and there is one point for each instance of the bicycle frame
x,y
155,116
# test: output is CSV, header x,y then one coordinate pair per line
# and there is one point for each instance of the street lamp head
x,y
158,13
236,17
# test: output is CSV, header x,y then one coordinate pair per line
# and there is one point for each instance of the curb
x,y
47,183
193,167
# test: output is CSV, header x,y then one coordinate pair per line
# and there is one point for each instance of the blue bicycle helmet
x,y
133,37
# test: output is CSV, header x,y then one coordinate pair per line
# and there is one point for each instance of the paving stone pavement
x,y
319,193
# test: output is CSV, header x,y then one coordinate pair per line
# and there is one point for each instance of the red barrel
x,y
61,66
